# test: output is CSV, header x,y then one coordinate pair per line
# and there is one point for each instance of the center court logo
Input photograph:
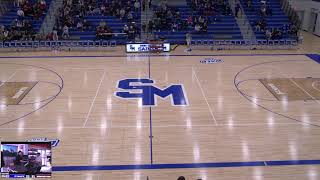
x,y
145,90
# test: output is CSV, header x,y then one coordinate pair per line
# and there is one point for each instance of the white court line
x,y
205,98
291,79
304,90
94,99
164,126
314,87
2,83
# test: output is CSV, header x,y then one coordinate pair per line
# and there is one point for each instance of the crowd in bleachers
x,y
261,25
21,27
204,12
211,8
73,15
166,18
19,30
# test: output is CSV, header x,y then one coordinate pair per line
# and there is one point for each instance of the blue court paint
x,y
149,92
315,57
187,165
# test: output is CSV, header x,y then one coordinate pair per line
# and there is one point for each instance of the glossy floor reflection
x,y
230,116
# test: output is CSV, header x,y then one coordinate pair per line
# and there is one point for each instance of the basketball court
x,y
237,117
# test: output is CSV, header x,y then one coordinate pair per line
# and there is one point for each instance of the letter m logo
x,y
145,90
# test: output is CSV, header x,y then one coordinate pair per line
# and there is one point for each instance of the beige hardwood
x,y
219,125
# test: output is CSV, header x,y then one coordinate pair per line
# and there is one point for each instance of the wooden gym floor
x,y
248,117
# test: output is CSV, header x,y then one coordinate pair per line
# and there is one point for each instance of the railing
x,y
212,44
291,13
56,44
50,18
244,44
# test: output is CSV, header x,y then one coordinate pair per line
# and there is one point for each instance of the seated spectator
x,y
293,30
125,29
137,5
150,26
42,5
276,34
27,8
249,5
190,20
261,25
263,11
20,14
86,25
49,36
130,16
122,13
103,9
18,3
80,25
103,31
6,35
37,13
268,11
227,10
65,33
96,11
197,28
174,27
268,34
55,36
144,27
131,32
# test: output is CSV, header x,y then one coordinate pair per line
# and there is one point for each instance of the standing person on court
x,y
188,39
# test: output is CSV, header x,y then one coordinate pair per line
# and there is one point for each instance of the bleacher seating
x,y
11,15
276,20
115,23
224,28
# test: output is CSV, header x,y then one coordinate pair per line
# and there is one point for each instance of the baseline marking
x,y
304,90
295,83
205,98
94,99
